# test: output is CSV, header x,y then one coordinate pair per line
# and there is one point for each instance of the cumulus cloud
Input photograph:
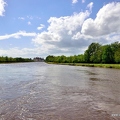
x,y
2,6
41,27
17,35
74,1
58,36
107,21
72,34
68,23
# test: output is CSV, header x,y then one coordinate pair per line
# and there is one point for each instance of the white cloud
x,y
58,37
30,17
90,6
83,1
24,52
16,52
2,6
72,34
106,22
61,27
41,27
74,1
17,35
21,18
29,23
67,24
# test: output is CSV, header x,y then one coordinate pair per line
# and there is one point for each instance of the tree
x,y
115,46
50,58
91,54
87,56
62,59
117,56
80,58
107,54
96,53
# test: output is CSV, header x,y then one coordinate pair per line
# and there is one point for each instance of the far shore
x,y
116,66
14,62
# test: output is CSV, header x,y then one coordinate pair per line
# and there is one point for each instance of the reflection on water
x,y
99,79
38,91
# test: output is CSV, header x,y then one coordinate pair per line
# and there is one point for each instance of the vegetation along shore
x,y
117,66
96,55
14,60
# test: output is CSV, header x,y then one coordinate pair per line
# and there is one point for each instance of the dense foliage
x,y
96,53
11,60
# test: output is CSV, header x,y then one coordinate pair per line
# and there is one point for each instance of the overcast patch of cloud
x,y
106,22
2,7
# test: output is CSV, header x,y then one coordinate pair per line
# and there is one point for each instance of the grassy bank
x,y
117,66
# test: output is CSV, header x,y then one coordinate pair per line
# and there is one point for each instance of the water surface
x,y
39,91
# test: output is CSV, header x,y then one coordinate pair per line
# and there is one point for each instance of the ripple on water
x,y
50,92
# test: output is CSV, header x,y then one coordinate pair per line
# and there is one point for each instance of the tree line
x,y
13,60
96,53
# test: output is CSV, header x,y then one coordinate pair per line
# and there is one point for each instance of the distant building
x,y
38,59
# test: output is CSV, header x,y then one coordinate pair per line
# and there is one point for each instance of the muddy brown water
x,y
39,91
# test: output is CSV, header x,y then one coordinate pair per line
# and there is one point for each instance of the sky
x,y
38,28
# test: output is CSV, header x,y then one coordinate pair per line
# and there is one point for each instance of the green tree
x,y
117,56
107,54
87,56
91,54
80,58
114,46
50,58
62,59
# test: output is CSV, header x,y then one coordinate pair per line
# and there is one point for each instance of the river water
x,y
40,91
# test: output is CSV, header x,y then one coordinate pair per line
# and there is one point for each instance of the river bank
x,y
116,66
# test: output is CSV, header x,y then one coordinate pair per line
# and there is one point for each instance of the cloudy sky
x,y
30,28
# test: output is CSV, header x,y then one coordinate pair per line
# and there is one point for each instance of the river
x,y
40,91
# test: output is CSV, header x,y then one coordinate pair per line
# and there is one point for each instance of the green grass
x,y
117,66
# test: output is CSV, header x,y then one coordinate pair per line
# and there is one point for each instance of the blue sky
x,y
30,28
